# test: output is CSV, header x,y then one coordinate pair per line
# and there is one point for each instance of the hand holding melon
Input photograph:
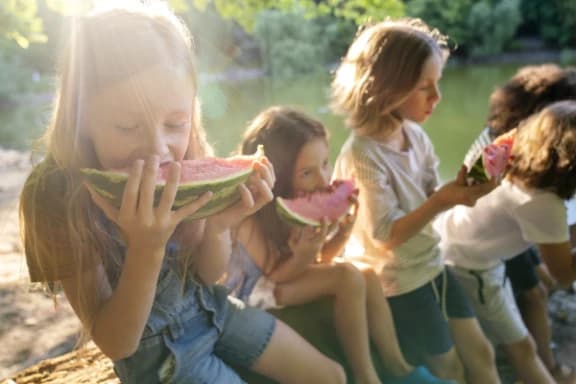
x,y
488,160
221,177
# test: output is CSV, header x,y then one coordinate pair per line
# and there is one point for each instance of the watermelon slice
x,y
486,160
220,176
331,203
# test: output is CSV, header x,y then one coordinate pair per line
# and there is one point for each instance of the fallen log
x,y
83,366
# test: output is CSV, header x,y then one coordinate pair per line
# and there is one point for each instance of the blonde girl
x,y
140,280
386,84
526,208
286,266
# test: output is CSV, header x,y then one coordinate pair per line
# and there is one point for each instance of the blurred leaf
x,y
19,22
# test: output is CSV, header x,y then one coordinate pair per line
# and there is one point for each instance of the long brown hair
x,y
381,68
544,151
283,132
56,214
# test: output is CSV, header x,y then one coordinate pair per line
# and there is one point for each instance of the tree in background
x,y
492,25
474,27
555,21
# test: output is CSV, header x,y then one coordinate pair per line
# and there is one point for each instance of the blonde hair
x,y
381,68
544,151
56,214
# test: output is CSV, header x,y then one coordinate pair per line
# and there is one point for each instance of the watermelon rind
x,y
292,217
110,185
477,173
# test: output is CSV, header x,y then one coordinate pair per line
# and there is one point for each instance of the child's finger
x,y
130,194
263,194
461,176
323,227
192,207
147,187
246,196
270,167
266,173
170,188
109,210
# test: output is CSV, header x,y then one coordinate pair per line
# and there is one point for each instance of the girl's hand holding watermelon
x,y
144,226
306,242
255,193
347,222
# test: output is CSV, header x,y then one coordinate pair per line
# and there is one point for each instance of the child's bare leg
x,y
526,362
381,326
346,284
289,358
447,366
475,351
533,305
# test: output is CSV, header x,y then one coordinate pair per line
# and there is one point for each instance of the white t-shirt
x,y
502,224
391,184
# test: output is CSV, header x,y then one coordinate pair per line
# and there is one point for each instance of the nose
x,y
324,179
157,143
436,94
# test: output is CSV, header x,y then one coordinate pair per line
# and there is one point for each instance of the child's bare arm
x,y
560,260
335,246
449,195
216,245
116,319
305,244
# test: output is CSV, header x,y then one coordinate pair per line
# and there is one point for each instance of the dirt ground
x,y
33,329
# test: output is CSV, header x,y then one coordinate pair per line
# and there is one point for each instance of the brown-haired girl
x,y
279,265
527,208
385,85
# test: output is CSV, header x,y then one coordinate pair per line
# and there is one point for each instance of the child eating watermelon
x,y
278,264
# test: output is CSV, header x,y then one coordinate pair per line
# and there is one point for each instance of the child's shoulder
x,y
415,132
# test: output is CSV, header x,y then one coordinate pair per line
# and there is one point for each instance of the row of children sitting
x,y
143,280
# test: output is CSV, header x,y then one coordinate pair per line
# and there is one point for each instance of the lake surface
x,y
228,107
455,123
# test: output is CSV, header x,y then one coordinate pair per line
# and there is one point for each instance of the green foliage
x,y
554,20
449,16
20,23
289,43
474,27
492,27
245,12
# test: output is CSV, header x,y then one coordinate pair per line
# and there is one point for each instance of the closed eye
x,y
127,128
177,126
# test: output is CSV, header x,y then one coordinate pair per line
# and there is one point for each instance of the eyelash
x,y
176,126
126,129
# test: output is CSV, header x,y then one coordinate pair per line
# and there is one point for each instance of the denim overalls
x,y
194,332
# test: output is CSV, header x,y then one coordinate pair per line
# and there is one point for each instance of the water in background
x,y
229,105
458,119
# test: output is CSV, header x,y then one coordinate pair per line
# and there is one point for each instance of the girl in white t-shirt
x,y
527,208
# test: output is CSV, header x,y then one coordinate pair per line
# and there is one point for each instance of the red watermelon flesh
x,y
332,204
217,175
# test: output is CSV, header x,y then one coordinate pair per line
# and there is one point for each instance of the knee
x,y
486,352
371,277
336,374
350,278
329,373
